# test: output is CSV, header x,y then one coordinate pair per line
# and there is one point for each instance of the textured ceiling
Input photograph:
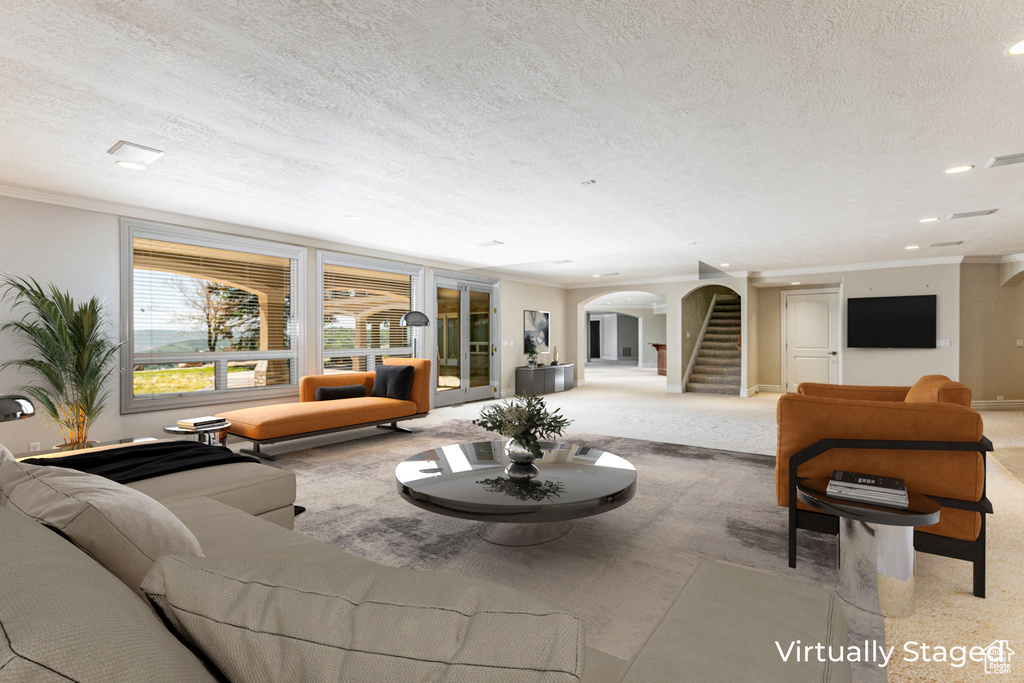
x,y
770,135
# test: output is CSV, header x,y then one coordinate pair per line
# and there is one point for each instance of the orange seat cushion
x,y
289,419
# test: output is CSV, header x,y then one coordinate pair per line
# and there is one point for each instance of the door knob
x,y
833,353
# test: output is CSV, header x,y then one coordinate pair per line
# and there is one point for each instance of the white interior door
x,y
810,327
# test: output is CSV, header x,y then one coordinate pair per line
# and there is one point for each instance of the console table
x,y
544,380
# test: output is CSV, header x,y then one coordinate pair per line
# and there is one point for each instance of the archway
x,y
620,329
711,345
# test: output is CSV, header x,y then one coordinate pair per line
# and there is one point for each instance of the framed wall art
x,y
536,328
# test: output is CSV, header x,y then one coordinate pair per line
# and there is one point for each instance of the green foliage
x,y
524,419
531,349
524,489
69,353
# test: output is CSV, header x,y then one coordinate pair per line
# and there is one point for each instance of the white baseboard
x,y
748,392
769,388
508,393
674,388
1015,404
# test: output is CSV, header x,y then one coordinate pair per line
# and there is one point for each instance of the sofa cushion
x,y
338,393
264,620
939,389
287,419
125,530
251,487
393,381
63,617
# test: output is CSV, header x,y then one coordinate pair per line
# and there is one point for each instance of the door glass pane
x,y
479,339
449,369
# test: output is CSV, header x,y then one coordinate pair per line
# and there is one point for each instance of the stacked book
x,y
196,423
868,488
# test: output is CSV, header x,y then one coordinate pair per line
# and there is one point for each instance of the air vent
x,y
129,151
972,214
487,245
946,244
1005,161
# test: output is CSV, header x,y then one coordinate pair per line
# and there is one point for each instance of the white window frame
x,y
132,228
338,259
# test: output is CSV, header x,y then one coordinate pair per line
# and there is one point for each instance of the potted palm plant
x,y
70,353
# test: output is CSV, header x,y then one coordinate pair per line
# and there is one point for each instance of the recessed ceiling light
x,y
723,265
794,283
130,164
930,219
913,246
605,274
959,169
1017,49
353,218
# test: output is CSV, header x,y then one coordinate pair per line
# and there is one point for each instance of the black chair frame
x,y
972,551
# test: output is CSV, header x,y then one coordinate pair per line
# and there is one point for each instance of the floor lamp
x,y
414,319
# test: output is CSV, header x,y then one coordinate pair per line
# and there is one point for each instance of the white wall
x,y
517,297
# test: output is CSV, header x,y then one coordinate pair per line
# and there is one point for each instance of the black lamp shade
x,y
15,408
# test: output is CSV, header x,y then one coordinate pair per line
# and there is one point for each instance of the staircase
x,y
717,368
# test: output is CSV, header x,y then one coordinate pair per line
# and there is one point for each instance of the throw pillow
x,y
272,620
393,381
336,393
123,529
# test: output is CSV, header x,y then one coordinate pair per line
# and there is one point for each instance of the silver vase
x,y
520,464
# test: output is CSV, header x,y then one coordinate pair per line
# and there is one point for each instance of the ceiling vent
x,y
128,151
488,245
972,214
1005,161
946,244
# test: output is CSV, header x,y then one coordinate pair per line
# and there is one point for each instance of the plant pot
x,y
521,461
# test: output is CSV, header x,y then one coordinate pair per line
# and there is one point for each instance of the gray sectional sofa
x,y
230,592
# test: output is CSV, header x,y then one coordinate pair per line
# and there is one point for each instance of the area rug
x,y
619,571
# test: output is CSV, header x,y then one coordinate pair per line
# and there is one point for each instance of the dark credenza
x,y
544,380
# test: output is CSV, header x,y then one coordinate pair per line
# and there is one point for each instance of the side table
x,y
876,547
206,435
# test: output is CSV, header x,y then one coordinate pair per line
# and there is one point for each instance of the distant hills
x,y
172,341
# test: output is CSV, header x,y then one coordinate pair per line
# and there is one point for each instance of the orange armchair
x,y
927,435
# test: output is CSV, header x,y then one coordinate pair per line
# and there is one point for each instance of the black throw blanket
x,y
145,460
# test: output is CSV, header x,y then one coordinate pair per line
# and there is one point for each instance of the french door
x,y
466,336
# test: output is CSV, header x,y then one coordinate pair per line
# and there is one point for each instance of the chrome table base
x,y
876,567
519,535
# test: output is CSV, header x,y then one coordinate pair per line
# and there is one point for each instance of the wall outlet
x,y
942,342
34,447
687,335
1020,343
999,398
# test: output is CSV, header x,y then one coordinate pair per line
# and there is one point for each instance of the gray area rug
x,y
619,571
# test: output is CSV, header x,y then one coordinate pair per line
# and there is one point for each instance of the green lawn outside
x,y
176,380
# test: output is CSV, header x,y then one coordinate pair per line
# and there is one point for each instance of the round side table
x,y
876,547
206,435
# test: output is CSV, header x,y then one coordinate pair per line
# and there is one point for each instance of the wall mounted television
x,y
891,322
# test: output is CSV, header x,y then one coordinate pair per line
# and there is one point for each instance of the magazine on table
x,y
194,423
868,488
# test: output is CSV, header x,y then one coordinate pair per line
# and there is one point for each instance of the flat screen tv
x,y
891,322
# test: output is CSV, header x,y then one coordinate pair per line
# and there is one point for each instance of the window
x,y
209,318
363,301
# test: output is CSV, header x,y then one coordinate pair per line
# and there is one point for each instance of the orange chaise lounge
x,y
926,434
309,417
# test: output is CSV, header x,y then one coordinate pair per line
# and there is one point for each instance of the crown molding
x,y
850,267
985,260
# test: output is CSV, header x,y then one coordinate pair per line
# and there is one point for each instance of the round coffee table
x,y
468,481
876,547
